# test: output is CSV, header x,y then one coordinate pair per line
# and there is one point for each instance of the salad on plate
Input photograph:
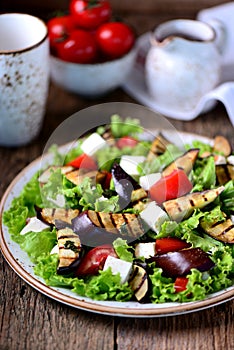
x,y
127,216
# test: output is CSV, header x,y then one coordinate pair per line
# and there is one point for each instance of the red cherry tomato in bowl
x,y
80,47
94,260
115,39
59,28
90,14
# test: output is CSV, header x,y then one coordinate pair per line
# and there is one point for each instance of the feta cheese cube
x,y
154,216
232,218
219,159
34,225
118,266
93,143
230,160
130,163
59,201
149,180
145,249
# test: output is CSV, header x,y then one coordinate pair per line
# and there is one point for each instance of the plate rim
x,y
93,306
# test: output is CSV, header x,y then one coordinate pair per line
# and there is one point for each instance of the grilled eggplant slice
x,y
44,177
96,228
124,185
224,173
138,195
183,207
222,231
222,145
175,264
139,282
77,176
185,162
158,146
69,250
49,215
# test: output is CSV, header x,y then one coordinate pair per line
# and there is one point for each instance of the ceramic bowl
x,y
91,80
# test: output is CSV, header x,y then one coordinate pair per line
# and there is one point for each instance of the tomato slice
x,y
84,161
171,186
94,260
126,141
170,244
180,284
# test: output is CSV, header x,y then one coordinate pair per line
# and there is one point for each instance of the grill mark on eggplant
x,y
215,224
112,220
67,236
228,229
100,219
128,225
192,203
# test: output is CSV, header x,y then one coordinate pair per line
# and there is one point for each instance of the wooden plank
x,y
32,321
201,330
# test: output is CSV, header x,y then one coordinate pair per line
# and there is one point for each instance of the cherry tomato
x,y
90,14
115,39
94,260
170,244
171,186
59,29
84,161
180,284
126,141
80,47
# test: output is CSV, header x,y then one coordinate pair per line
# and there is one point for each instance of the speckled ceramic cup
x,y
24,77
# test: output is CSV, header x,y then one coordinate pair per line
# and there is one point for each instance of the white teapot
x,y
183,63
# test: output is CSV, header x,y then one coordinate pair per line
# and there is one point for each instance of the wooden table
x,y
32,321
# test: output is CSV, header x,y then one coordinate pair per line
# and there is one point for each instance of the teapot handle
x,y
221,34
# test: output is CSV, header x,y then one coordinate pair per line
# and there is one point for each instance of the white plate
x,y
20,263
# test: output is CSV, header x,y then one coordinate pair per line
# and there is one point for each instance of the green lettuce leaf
x,y
204,147
128,126
15,219
22,207
204,176
227,198
123,250
104,286
46,268
158,163
35,244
